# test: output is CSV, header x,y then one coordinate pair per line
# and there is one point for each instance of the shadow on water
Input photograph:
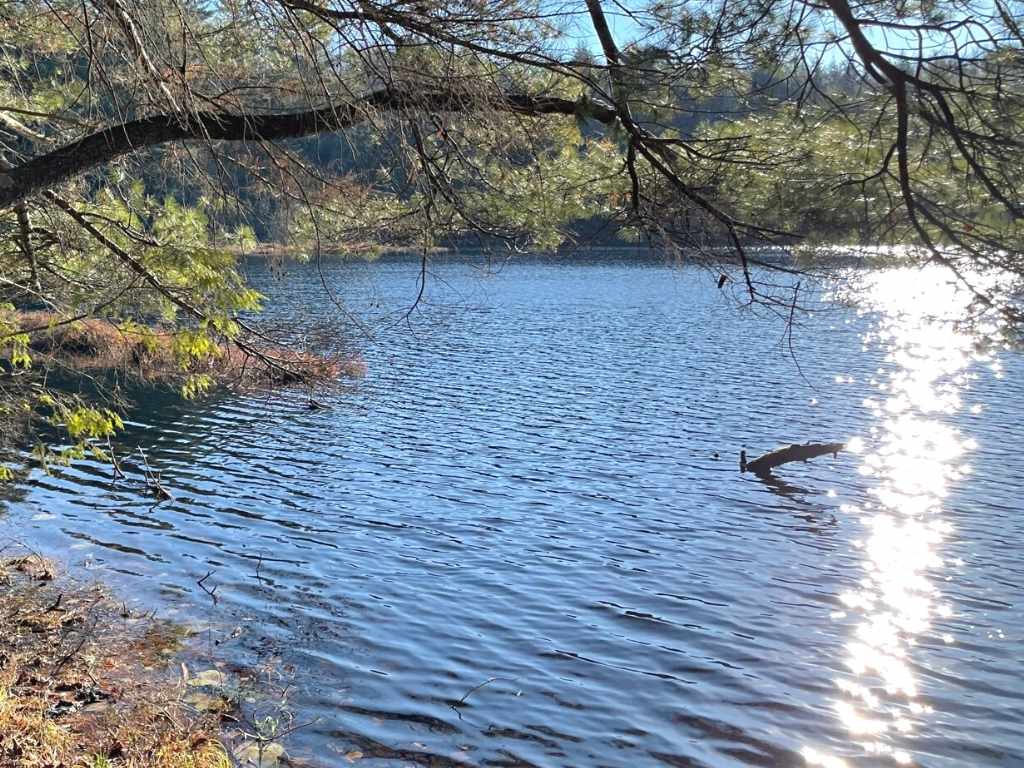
x,y
782,486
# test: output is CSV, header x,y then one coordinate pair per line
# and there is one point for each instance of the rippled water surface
x,y
522,538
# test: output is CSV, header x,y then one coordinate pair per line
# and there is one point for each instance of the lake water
x,y
523,539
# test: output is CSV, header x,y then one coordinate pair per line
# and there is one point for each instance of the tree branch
x,y
64,163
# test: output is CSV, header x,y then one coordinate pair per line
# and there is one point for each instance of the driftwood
x,y
763,465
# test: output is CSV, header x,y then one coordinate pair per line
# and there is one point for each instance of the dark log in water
x,y
763,465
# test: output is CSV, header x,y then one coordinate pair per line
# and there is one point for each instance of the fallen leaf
x,y
211,677
206,702
249,755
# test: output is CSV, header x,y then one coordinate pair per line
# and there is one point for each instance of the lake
x,y
522,539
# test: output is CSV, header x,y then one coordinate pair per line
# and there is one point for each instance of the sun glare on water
x,y
912,459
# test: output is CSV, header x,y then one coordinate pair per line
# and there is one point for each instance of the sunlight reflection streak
x,y
911,459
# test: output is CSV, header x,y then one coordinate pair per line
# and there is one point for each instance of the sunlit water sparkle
x,y
914,457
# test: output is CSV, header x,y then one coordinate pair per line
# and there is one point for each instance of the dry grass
x,y
83,685
93,345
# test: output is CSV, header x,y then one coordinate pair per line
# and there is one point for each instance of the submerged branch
x,y
763,465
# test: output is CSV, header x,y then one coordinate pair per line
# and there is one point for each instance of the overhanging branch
x,y
64,163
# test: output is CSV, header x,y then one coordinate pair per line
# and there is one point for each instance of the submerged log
x,y
763,465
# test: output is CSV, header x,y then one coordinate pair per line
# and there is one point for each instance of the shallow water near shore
x,y
523,539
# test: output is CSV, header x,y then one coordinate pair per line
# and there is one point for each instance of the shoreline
x,y
364,250
86,681
147,354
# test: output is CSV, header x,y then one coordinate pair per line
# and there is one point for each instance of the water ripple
x,y
537,486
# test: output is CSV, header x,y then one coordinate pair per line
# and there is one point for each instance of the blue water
x,y
535,490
